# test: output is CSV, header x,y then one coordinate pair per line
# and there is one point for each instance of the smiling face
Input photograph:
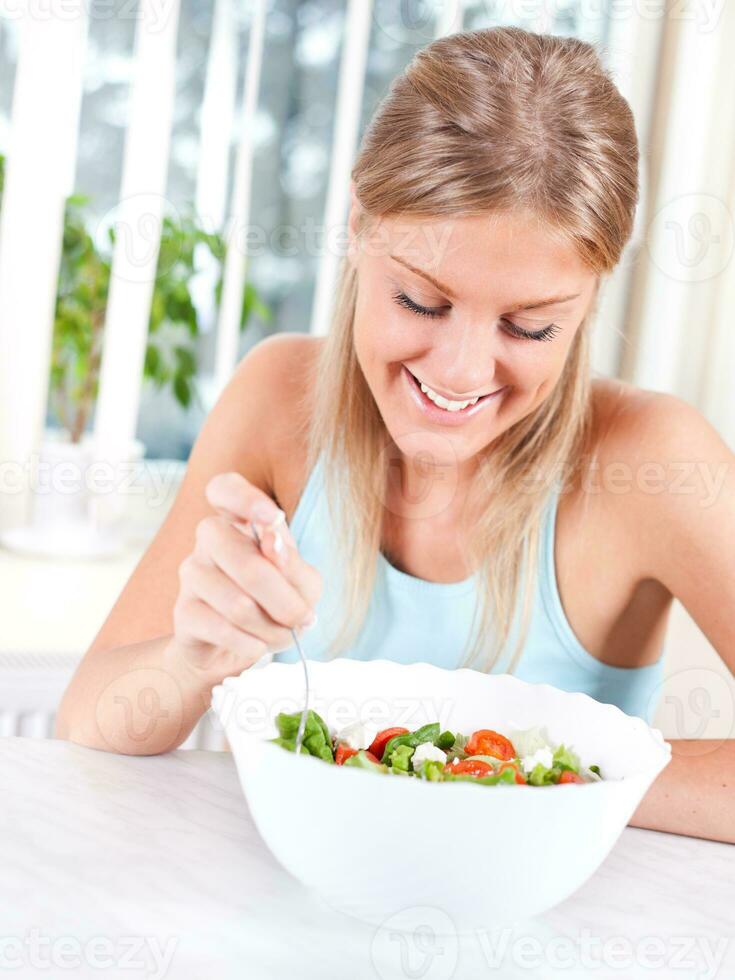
x,y
459,329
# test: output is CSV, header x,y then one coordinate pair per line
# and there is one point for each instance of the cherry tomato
x,y
380,741
469,767
487,742
520,778
343,752
570,777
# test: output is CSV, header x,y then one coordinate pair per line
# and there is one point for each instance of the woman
x,y
461,489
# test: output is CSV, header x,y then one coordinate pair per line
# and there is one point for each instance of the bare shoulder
x,y
617,404
594,512
674,505
661,467
650,516
635,426
642,448
619,399
243,430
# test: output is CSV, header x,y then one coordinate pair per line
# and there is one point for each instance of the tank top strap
x,y
310,495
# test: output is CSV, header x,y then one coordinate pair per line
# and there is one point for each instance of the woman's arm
x,y
135,691
139,699
695,794
681,516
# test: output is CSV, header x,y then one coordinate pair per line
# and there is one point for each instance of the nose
x,y
466,360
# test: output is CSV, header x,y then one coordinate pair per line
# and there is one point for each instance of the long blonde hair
x,y
497,120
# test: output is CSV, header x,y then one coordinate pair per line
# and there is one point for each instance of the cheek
x,y
383,334
374,339
539,370
539,358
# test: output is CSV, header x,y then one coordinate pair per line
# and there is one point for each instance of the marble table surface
x,y
126,867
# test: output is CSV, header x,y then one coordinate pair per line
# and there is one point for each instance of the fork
x,y
305,711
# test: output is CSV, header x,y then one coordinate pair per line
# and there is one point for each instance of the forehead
x,y
507,256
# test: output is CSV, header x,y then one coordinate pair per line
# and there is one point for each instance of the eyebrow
x,y
549,301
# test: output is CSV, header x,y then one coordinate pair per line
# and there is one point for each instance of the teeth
x,y
445,403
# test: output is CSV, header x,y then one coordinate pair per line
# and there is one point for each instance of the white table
x,y
109,860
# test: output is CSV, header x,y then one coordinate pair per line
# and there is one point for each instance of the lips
x,y
442,416
449,398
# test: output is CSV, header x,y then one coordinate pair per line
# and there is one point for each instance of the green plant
x,y
81,301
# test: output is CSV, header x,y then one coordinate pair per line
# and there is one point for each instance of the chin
x,y
426,448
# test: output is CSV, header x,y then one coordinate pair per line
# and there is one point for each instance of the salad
x,y
524,757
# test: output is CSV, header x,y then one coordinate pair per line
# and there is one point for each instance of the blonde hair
x,y
501,120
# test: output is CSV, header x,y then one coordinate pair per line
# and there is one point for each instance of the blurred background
x,y
139,139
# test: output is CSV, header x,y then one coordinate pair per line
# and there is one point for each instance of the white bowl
x,y
374,845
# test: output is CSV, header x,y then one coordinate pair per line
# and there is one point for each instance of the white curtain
x,y
680,312
674,307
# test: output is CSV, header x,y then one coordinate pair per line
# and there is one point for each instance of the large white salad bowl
x,y
375,845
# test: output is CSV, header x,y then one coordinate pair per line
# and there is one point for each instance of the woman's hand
x,y
237,602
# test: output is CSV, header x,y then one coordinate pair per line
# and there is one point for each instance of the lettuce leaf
x,y
543,776
317,740
361,761
564,758
400,759
431,769
529,740
507,776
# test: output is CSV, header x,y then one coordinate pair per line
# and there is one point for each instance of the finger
x,y
239,557
231,493
203,623
209,583
303,576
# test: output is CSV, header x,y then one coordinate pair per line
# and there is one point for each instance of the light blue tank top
x,y
411,619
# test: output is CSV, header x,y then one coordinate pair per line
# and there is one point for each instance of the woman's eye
x,y
547,333
409,304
